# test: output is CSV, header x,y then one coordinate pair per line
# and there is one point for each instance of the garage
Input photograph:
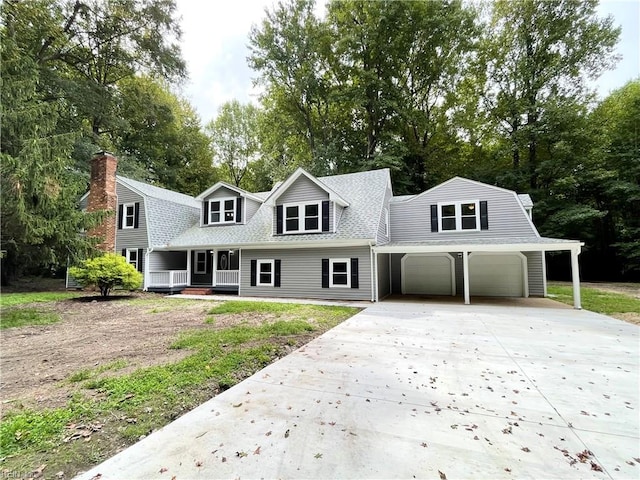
x,y
428,274
498,275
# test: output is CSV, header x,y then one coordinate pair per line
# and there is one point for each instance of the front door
x,y
201,267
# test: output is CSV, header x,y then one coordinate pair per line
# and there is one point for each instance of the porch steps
x,y
197,291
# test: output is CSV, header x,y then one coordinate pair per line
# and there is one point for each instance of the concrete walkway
x,y
409,390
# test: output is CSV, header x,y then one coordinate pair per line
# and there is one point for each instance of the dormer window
x,y
459,216
221,211
302,217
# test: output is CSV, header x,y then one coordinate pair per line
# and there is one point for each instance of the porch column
x,y
214,267
575,276
465,276
188,267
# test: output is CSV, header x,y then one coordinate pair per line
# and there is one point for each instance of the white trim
x,y
145,279
271,199
465,277
523,261
301,206
491,247
196,270
333,261
222,201
125,215
218,185
446,255
458,216
271,262
544,274
575,279
285,245
374,275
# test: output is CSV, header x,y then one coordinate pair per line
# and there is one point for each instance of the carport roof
x,y
502,244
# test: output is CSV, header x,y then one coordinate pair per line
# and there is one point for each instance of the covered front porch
x,y
505,267
173,271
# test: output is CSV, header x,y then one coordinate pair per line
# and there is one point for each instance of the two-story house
x,y
337,237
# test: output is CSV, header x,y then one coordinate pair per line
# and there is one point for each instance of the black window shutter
x,y
279,214
354,273
434,218
484,216
254,270
136,214
325,216
239,210
120,210
140,257
124,252
325,273
276,273
205,213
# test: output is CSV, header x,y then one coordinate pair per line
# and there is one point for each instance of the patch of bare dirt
x,y
35,361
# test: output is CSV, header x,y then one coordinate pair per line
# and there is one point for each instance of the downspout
x,y
373,272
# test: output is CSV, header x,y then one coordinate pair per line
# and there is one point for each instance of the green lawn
x,y
596,300
12,299
23,317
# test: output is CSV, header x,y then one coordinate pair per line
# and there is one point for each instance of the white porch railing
x,y
227,277
169,278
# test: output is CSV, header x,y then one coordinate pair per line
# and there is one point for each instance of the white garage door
x,y
428,274
493,275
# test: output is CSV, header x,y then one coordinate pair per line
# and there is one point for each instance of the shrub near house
x,y
106,272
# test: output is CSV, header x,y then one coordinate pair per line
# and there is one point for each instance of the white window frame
x,y
332,262
458,216
125,215
196,270
271,283
301,217
222,210
132,262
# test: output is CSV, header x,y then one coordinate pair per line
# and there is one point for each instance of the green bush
x,y
106,272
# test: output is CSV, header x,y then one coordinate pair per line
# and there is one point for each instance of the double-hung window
x,y
222,210
129,215
458,216
265,273
132,257
302,217
340,272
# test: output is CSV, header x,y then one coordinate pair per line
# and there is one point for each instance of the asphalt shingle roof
x,y
364,191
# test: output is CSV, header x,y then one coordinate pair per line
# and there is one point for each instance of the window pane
x,y
265,277
311,210
228,216
215,217
340,267
448,210
215,206
228,204
469,223
292,212
129,222
468,209
311,224
133,255
448,224
265,268
292,225
339,278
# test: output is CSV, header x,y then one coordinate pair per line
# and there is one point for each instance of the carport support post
x,y
575,276
465,275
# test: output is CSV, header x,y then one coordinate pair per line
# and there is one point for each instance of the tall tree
x,y
537,51
234,137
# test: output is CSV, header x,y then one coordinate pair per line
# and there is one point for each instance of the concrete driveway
x,y
406,390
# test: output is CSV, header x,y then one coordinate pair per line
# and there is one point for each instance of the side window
x,y
340,273
128,215
265,272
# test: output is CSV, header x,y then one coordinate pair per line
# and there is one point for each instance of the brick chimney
x,y
102,196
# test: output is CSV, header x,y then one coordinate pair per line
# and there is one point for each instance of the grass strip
x,y
596,300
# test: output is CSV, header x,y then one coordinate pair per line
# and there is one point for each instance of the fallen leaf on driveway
x,y
525,449
257,451
442,475
286,434
318,455
596,467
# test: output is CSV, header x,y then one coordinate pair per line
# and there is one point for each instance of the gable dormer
x,y
304,205
224,204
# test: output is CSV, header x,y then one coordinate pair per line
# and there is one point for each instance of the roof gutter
x,y
271,245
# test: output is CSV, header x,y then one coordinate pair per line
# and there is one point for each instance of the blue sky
x,y
215,37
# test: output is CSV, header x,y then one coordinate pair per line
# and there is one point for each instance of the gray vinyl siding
x,y
384,281
302,190
131,237
382,236
411,220
301,273
396,273
222,192
159,261
535,273
251,208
